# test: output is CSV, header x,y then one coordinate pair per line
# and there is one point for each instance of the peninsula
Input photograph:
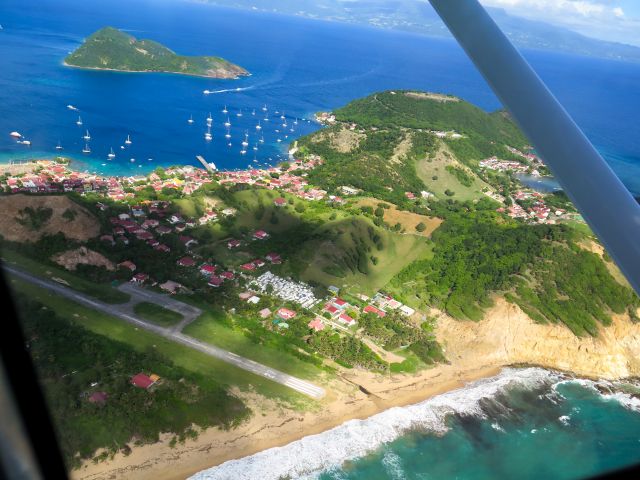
x,y
112,49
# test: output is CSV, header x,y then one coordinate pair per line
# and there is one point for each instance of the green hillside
x,y
385,144
111,49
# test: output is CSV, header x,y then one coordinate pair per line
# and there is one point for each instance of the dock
x,y
209,166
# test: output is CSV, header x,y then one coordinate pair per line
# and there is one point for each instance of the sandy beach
x,y
475,349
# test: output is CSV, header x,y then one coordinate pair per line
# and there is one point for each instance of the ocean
x,y
299,66
527,423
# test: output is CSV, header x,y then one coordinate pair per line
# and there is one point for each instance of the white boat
x,y
266,119
86,148
282,116
206,92
87,137
255,147
227,123
279,140
284,124
253,112
15,135
79,122
229,144
243,151
264,107
277,130
59,146
71,107
132,160
244,142
207,135
26,142
209,119
122,147
227,135
258,126
261,139
190,119
128,140
224,110
111,154
239,114
295,122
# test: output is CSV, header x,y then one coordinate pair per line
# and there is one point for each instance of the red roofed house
x,y
264,313
286,314
340,303
140,278
260,235
233,243
332,309
207,269
128,264
372,309
248,266
316,324
273,258
346,319
227,275
187,241
162,248
258,263
280,202
186,262
141,381
99,398
215,281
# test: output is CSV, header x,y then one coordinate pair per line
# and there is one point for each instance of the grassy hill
x,y
385,145
111,49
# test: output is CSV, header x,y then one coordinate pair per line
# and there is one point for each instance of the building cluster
x,y
289,290
283,179
536,210
53,177
494,163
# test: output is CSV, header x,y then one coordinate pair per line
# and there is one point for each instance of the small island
x,y
112,49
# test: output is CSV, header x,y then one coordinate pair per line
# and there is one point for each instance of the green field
x,y
182,356
104,292
397,252
157,314
209,328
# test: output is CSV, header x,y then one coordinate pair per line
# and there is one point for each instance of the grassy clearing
x,y
157,314
209,328
104,292
397,252
408,220
181,355
430,168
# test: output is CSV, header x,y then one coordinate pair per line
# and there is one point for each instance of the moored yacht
x,y
128,140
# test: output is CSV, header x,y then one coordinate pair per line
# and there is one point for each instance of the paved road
x,y
139,294
122,312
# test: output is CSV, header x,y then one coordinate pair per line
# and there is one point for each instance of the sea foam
x,y
311,455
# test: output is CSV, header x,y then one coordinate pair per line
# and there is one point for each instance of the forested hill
x,y
111,49
400,141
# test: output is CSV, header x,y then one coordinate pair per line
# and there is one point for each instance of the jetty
x,y
208,166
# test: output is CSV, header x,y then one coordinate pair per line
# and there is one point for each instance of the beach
x,y
476,350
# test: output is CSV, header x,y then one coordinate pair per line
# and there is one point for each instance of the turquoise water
x,y
298,66
525,423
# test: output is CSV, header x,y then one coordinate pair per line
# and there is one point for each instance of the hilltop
x,y
394,142
112,49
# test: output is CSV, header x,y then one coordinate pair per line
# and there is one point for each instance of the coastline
x,y
235,77
476,350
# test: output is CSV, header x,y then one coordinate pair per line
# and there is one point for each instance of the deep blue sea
x,y
522,424
298,67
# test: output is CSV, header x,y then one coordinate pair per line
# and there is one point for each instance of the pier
x,y
208,166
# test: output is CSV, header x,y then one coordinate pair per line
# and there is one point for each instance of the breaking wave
x,y
314,454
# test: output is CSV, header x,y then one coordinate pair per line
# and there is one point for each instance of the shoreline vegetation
x,y
110,49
